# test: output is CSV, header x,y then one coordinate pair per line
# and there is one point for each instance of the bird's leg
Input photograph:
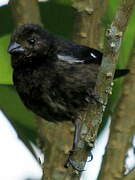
x,y
76,135
75,141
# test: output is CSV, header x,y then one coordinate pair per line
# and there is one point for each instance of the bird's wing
x,y
80,54
69,59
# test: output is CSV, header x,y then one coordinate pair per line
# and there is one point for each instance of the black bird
x,y
55,78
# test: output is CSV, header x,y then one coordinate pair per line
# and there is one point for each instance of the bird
x,y
55,78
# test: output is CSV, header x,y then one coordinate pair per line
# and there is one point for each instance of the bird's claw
x,y
70,162
95,97
69,156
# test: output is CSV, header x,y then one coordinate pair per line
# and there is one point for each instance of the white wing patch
x,y
72,60
69,59
93,55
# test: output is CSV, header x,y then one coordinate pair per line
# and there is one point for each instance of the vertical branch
x,y
56,143
92,117
122,129
96,29
113,42
87,26
24,11
83,12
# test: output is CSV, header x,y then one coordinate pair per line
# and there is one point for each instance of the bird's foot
x,y
69,156
94,97
72,163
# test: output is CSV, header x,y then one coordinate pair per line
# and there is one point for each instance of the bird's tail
x,y
121,72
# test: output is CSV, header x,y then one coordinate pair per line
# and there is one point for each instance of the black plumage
x,y
51,75
55,78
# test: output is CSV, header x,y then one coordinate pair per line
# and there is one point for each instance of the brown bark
x,y
96,29
122,130
25,11
87,27
83,12
55,141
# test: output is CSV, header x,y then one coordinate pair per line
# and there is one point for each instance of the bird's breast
x,y
59,91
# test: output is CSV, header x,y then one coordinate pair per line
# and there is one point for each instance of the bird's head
x,y
28,43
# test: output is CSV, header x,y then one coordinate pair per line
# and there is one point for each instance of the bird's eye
x,y
31,41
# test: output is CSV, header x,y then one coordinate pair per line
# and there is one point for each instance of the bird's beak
x,y
15,48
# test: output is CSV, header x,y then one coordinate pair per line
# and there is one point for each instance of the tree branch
x,y
87,26
93,116
113,41
122,129
25,11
